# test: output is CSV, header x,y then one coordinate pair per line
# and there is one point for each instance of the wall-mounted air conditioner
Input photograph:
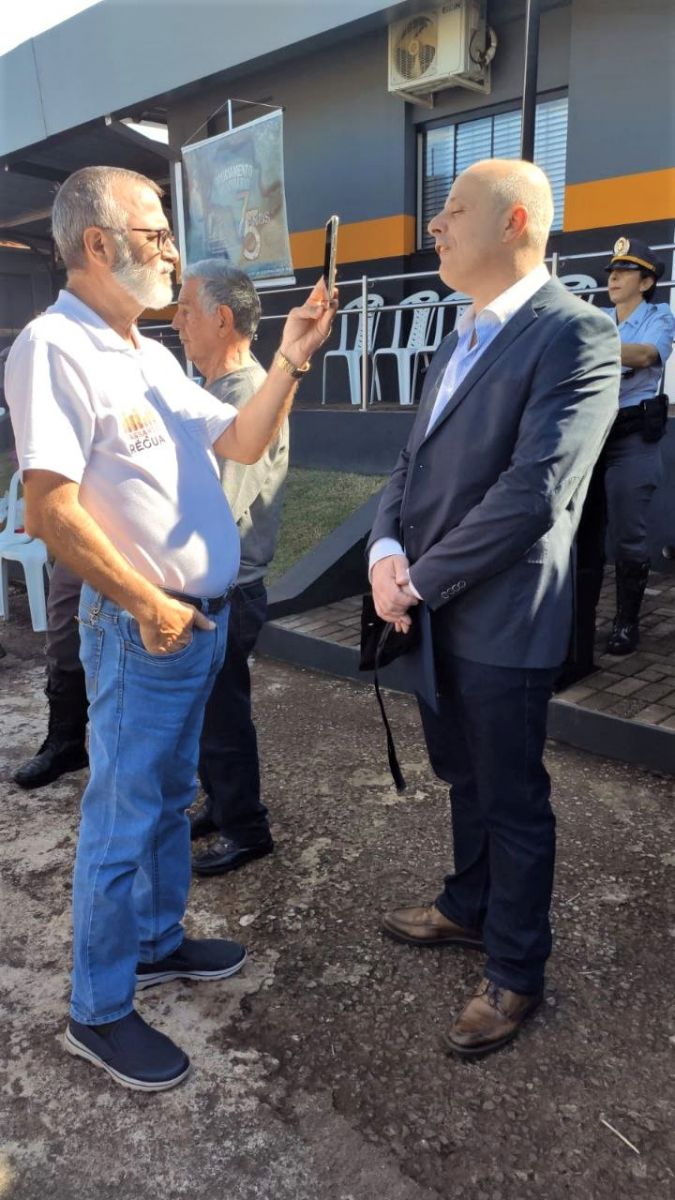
x,y
449,45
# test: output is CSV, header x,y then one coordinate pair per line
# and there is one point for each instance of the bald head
x,y
494,227
513,182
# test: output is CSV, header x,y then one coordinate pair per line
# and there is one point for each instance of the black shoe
x,y
57,755
623,639
195,958
136,1055
224,855
631,581
201,824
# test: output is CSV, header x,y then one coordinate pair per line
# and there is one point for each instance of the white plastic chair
x,y
352,355
31,554
14,515
460,302
579,284
417,340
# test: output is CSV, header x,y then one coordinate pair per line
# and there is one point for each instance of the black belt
x,y
206,605
647,418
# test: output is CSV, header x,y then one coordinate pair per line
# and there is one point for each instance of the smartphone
x,y
330,254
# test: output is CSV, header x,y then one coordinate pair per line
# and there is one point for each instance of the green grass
x,y
314,504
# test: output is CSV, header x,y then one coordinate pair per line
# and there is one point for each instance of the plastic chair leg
x,y
4,590
35,584
403,365
375,384
354,365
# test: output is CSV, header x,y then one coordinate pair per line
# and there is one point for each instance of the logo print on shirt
x,y
142,429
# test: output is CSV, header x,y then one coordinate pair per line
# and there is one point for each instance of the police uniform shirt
x,y
650,324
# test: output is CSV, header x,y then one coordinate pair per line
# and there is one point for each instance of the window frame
x,y
476,114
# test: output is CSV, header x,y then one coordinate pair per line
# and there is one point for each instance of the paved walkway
x,y
640,687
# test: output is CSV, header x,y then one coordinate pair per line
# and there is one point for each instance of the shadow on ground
x,y
318,1072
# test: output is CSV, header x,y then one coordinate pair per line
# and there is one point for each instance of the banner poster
x,y
235,202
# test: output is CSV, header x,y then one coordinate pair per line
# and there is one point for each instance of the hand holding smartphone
x,y
330,254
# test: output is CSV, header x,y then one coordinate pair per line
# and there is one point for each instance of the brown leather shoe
x,y
492,1018
425,925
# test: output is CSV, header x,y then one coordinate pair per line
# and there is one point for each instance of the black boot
x,y
631,581
63,749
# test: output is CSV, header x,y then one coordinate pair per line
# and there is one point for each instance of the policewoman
x,y
632,461
630,467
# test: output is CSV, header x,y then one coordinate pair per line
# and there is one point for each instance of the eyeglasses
x,y
160,236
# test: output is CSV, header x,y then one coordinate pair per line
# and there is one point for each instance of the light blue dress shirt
x,y
650,324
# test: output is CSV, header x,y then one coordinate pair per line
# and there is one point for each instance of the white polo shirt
x,y
136,434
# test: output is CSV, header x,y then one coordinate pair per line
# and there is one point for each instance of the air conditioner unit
x,y
447,46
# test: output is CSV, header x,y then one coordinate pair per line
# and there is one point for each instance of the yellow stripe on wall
x,y
623,200
359,241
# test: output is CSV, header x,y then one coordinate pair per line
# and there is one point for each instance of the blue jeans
x,y
487,742
132,869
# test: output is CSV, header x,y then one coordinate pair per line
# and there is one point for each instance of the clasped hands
x,y
392,593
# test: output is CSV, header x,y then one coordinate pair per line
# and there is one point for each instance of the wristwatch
x,y
290,368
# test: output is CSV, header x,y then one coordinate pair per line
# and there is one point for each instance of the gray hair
x,y
222,284
87,197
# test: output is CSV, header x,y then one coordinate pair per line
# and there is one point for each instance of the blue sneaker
x,y
136,1055
195,958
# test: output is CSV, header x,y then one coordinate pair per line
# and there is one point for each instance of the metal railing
x,y
365,283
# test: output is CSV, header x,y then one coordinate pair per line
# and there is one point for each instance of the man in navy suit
x,y
478,522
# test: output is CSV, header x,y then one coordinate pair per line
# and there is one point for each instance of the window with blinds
x,y
449,149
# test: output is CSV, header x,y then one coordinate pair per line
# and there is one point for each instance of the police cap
x,y
630,254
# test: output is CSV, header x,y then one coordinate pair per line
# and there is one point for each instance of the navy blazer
x,y
487,504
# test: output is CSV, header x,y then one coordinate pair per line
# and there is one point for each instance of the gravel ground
x,y
318,1072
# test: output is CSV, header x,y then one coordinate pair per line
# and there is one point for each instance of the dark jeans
x,y
487,742
228,757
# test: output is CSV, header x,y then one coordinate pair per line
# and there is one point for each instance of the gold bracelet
x,y
290,368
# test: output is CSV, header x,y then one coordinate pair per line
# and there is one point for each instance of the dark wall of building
x,y
507,18
350,146
26,288
622,120
345,146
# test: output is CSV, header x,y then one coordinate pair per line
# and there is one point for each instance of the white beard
x,y
146,283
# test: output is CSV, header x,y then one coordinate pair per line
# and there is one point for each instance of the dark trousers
x,y
633,470
622,485
63,631
228,759
487,742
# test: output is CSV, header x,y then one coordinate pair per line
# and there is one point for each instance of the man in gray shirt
x,y
217,318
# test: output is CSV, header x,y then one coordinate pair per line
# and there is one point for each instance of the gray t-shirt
x,y
254,493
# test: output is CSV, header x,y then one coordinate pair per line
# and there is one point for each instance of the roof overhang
x,y
30,177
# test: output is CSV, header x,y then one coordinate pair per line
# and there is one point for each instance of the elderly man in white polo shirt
x,y
117,451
